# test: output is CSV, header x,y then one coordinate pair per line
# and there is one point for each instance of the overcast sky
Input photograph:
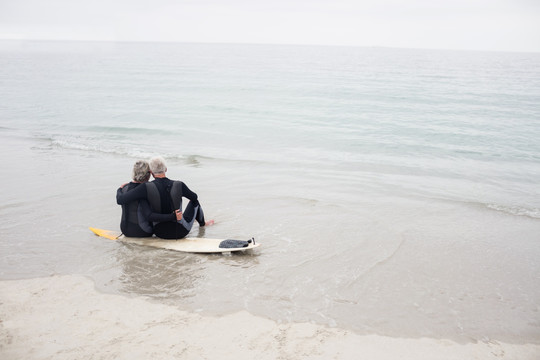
x,y
508,25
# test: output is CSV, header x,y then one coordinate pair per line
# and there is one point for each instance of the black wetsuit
x,y
137,216
165,196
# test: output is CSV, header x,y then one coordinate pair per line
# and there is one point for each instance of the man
x,y
165,197
137,217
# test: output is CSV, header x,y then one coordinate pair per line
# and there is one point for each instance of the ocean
x,y
394,191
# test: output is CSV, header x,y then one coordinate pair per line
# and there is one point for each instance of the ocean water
x,y
394,191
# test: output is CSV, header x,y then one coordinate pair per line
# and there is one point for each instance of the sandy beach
x,y
64,317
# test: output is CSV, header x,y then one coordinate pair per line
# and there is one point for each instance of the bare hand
x,y
121,186
178,215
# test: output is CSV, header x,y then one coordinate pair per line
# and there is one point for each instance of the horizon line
x,y
267,44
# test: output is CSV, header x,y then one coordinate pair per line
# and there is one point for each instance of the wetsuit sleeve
x,y
187,193
156,217
138,193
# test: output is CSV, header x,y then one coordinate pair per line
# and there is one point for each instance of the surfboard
x,y
190,244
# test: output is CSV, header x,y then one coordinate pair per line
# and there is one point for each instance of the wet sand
x,y
64,317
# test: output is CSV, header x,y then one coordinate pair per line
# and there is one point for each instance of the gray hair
x,y
141,171
157,165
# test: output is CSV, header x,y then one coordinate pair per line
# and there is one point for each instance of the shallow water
x,y
394,191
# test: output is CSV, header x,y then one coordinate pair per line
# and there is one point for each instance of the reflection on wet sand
x,y
174,275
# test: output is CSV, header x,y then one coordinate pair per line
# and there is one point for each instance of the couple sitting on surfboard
x,y
156,207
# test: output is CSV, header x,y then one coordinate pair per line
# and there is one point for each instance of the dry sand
x,y
64,317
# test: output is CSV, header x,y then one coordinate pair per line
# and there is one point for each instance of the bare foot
x,y
209,222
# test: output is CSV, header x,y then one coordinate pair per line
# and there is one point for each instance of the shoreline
x,y
65,317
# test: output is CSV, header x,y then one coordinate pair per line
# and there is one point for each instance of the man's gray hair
x,y
141,171
157,165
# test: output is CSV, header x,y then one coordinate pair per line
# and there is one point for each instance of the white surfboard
x,y
191,245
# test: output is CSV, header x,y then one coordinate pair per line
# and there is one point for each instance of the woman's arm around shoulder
x,y
130,195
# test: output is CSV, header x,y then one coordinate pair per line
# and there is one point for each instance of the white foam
x,y
516,210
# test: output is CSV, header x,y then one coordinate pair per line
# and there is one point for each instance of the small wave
x,y
12,205
73,145
194,160
125,130
189,159
516,210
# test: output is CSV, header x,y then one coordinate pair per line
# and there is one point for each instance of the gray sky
x,y
508,25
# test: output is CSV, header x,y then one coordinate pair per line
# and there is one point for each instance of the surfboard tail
x,y
108,234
